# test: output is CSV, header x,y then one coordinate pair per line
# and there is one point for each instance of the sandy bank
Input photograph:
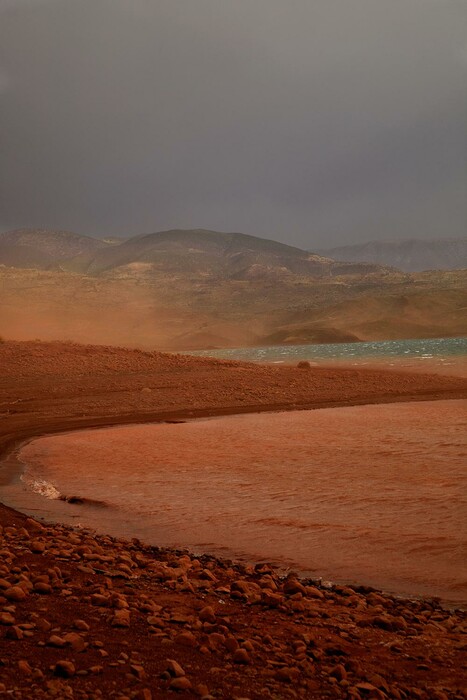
x,y
96,617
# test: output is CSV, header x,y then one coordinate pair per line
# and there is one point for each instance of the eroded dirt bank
x,y
88,616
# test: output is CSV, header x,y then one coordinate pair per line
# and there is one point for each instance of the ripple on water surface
x,y
369,494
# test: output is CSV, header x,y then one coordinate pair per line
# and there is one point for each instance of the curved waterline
x,y
175,523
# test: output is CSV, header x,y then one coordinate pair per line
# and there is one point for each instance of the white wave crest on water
x,y
42,487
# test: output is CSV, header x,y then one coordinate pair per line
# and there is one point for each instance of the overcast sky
x,y
313,122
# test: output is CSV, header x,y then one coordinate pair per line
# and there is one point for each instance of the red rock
x,y
248,645
292,586
155,621
313,592
207,614
100,600
180,684
121,618
33,525
272,600
138,671
43,625
241,656
144,694
187,639
56,641
339,672
174,668
43,588
37,546
24,667
64,669
247,589
16,593
231,644
14,633
207,575
284,674
383,622
81,625
76,641
6,618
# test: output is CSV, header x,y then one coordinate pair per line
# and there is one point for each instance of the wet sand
x,y
262,636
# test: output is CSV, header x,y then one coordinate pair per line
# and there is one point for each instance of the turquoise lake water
x,y
442,351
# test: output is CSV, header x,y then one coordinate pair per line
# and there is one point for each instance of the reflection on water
x,y
370,494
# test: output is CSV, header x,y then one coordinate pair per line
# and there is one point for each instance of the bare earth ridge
x,y
89,616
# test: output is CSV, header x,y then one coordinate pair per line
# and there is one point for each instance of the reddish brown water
x,y
369,494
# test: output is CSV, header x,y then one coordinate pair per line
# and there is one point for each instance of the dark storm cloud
x,y
311,121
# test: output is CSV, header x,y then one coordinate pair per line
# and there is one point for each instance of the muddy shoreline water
x,y
234,630
382,483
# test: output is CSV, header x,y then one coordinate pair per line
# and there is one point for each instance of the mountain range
x,y
410,255
190,289
191,251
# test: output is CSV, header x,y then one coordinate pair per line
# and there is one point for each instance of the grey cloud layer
x,y
309,121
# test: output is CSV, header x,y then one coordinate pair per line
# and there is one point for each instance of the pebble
x,y
241,656
24,667
64,669
34,525
14,633
6,618
121,618
75,641
43,625
16,593
37,546
187,639
138,671
174,668
180,684
207,614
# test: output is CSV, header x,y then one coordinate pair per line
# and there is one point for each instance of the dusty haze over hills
x,y
410,256
190,289
323,123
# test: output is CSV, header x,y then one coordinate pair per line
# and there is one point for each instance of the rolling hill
x,y
41,248
196,251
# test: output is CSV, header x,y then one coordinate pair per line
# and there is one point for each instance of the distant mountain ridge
x,y
43,248
192,251
409,255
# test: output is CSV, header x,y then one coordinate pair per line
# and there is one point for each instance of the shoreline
x,y
15,468
326,663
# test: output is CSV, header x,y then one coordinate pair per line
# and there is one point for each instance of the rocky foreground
x,y
89,616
